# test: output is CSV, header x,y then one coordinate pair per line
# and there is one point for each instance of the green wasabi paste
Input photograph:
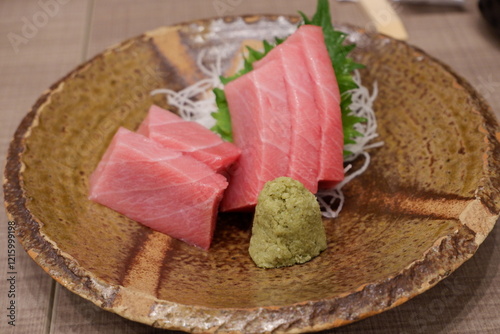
x,y
287,226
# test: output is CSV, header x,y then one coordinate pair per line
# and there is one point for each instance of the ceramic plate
x,y
426,203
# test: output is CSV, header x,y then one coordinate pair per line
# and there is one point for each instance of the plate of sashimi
x,y
255,174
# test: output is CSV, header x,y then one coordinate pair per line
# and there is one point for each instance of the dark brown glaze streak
x,y
167,260
167,71
140,240
410,202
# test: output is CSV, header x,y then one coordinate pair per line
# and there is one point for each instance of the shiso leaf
x,y
343,65
222,117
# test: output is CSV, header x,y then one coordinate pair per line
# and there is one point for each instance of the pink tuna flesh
x,y
308,43
191,138
305,122
261,129
160,188
327,96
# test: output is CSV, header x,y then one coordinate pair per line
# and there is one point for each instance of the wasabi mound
x,y
287,227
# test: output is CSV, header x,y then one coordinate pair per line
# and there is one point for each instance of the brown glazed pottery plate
x,y
428,200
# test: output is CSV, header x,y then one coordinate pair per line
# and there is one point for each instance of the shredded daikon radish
x,y
197,101
362,106
332,200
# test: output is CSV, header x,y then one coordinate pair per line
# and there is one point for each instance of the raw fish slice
x,y
327,96
175,133
305,122
262,130
309,41
160,188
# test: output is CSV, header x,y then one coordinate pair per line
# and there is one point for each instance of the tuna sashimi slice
x,y
191,138
305,137
308,42
327,96
261,129
160,188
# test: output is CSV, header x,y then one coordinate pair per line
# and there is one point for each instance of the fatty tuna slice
x,y
191,138
304,117
160,188
262,130
309,42
327,96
